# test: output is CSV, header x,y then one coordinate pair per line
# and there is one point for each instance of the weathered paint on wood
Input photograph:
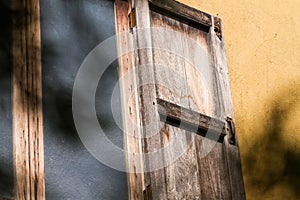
x,y
27,102
188,76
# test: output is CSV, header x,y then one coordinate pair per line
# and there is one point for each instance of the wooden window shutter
x,y
178,115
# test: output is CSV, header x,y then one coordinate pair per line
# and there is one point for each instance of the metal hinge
x,y
217,27
231,127
132,19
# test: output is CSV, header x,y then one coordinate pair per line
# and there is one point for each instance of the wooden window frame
x,y
27,117
28,147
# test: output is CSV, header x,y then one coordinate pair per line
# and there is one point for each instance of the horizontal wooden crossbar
x,y
189,120
186,14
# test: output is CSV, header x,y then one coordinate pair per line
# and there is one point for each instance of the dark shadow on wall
x,y
6,171
6,182
70,30
272,162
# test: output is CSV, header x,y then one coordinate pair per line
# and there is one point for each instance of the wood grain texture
x,y
180,169
168,60
182,13
190,120
182,173
213,170
204,98
231,151
147,94
28,146
129,102
198,71
188,88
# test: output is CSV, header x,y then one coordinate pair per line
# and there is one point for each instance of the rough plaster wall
x,y
262,39
70,30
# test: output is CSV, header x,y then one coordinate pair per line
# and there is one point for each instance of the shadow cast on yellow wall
x,y
272,163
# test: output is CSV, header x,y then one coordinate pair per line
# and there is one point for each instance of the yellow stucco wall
x,y
262,39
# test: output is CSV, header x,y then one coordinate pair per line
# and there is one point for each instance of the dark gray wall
x,y
70,30
6,170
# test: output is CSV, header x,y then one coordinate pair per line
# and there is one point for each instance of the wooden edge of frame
x,y
27,116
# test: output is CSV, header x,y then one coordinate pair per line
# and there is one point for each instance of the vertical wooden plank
x,y
129,103
213,170
153,142
181,170
204,98
28,146
198,71
168,59
166,65
182,175
231,151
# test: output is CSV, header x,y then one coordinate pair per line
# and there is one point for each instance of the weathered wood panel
x,y
155,178
204,98
28,146
198,84
186,74
180,160
182,12
181,170
191,120
231,151
168,59
129,102
198,72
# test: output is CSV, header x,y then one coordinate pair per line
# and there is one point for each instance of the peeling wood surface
x,y
27,102
188,71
